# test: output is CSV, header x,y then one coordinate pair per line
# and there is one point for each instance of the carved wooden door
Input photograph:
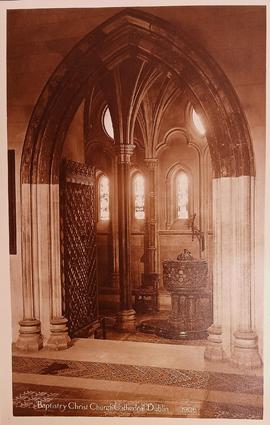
x,y
78,246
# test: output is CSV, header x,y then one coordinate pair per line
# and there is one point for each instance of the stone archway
x,y
127,35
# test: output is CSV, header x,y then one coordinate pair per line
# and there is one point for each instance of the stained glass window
x,y
139,196
182,195
104,198
107,123
198,123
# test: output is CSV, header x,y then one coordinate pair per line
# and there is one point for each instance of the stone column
x,y
232,331
214,349
245,349
115,237
151,276
126,316
30,338
59,338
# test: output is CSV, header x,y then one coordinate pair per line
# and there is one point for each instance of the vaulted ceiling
x,y
141,65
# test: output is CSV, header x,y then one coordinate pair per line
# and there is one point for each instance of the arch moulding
x,y
95,58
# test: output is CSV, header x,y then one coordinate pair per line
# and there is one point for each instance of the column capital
x,y
151,162
124,152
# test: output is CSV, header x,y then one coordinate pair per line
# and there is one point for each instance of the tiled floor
x,y
126,378
113,334
183,378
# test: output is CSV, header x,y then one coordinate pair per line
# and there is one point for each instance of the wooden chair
x,y
146,296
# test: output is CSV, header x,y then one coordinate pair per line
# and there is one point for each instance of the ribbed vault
x,y
125,56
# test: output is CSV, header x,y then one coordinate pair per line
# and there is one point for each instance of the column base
x,y
245,353
126,321
59,339
30,338
214,349
176,322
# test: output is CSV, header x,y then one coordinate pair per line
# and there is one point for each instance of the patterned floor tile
x,y
141,374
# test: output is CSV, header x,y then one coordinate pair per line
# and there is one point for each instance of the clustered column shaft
x,y
151,218
126,316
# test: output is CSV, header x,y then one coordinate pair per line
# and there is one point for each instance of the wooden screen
x,y
78,246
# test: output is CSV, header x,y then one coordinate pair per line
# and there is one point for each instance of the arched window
x,y
138,193
104,198
182,195
179,196
197,122
107,123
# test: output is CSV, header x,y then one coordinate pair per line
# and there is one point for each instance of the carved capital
x,y
151,162
124,153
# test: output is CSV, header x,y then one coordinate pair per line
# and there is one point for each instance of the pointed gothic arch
x,y
129,34
149,37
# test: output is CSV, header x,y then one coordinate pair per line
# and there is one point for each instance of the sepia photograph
x,y
136,159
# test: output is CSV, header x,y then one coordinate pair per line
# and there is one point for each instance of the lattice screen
x,y
78,245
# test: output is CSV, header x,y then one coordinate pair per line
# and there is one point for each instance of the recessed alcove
x,y
130,214
118,177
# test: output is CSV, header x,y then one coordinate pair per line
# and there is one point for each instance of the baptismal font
x,y
186,279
